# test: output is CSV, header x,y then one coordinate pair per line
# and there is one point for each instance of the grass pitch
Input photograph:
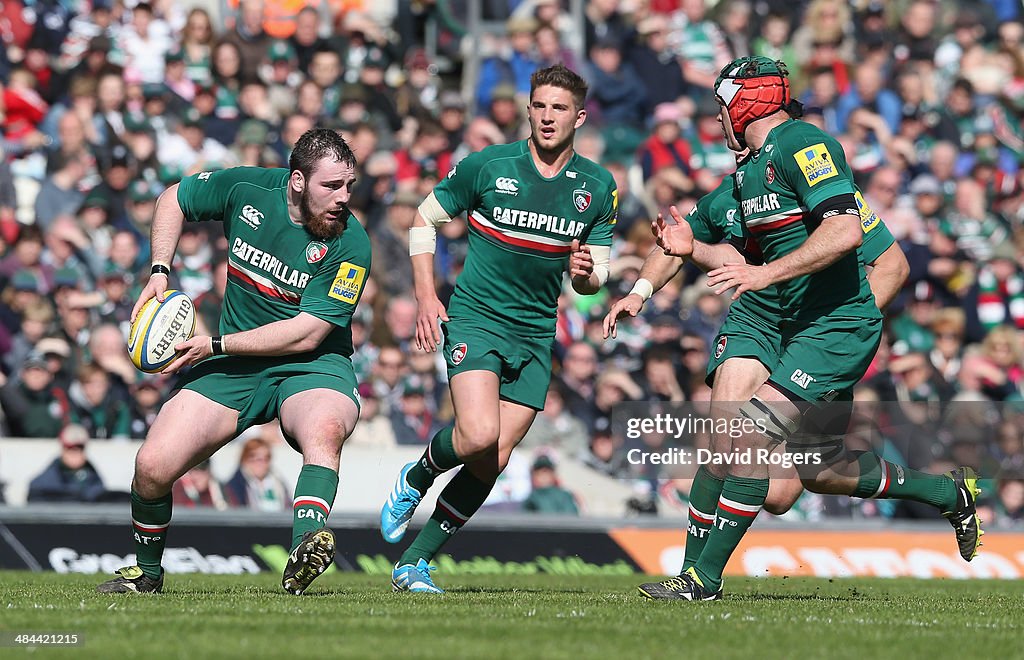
x,y
352,615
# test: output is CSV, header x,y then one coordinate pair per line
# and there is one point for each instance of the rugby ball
x,y
158,328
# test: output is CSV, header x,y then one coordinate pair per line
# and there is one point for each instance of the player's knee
x,y
782,495
772,424
476,437
151,475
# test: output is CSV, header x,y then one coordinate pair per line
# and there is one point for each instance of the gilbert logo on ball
x,y
158,328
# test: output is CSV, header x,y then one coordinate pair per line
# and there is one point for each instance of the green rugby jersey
x,y
714,219
521,227
276,268
798,167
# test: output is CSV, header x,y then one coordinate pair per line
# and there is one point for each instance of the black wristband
x,y
217,344
159,269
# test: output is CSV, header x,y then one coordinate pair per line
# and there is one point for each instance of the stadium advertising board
x,y
878,553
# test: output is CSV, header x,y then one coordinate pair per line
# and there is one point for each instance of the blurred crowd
x,y
106,102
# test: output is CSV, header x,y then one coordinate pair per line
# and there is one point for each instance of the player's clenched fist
x,y
581,263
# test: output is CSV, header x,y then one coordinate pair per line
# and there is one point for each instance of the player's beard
x,y
319,224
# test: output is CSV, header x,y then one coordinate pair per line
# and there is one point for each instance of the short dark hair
x,y
315,145
559,76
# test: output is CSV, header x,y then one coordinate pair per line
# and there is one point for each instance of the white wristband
x,y
643,288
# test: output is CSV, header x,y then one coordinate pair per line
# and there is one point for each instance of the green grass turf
x,y
352,615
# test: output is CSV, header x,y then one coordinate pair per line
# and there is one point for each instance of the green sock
x,y
457,503
439,457
704,494
883,480
739,504
150,519
314,497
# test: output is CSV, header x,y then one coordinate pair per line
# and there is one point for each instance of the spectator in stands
x,y
869,94
34,407
971,224
413,422
36,319
1009,504
429,153
70,477
912,329
666,147
198,488
578,374
773,40
254,485
546,495
101,411
306,39
605,19
387,376
145,42
59,194
948,327
699,43
1000,289
657,378
656,64
249,37
196,45
144,404
505,112
374,429
380,98
1003,349
550,49
25,257
617,96
556,428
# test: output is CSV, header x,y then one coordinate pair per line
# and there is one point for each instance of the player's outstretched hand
x,y
674,240
743,277
156,287
428,335
581,263
190,352
628,306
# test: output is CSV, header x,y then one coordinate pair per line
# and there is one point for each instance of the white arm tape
x,y
602,257
431,210
422,240
643,288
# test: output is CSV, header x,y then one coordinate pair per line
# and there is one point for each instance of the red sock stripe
x,y
308,501
447,508
149,529
701,518
738,512
886,478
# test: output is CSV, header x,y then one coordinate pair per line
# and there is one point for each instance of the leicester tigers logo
x,y
581,199
769,173
315,251
720,346
459,353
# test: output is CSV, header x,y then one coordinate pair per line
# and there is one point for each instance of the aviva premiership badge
x,y
315,251
459,353
581,199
